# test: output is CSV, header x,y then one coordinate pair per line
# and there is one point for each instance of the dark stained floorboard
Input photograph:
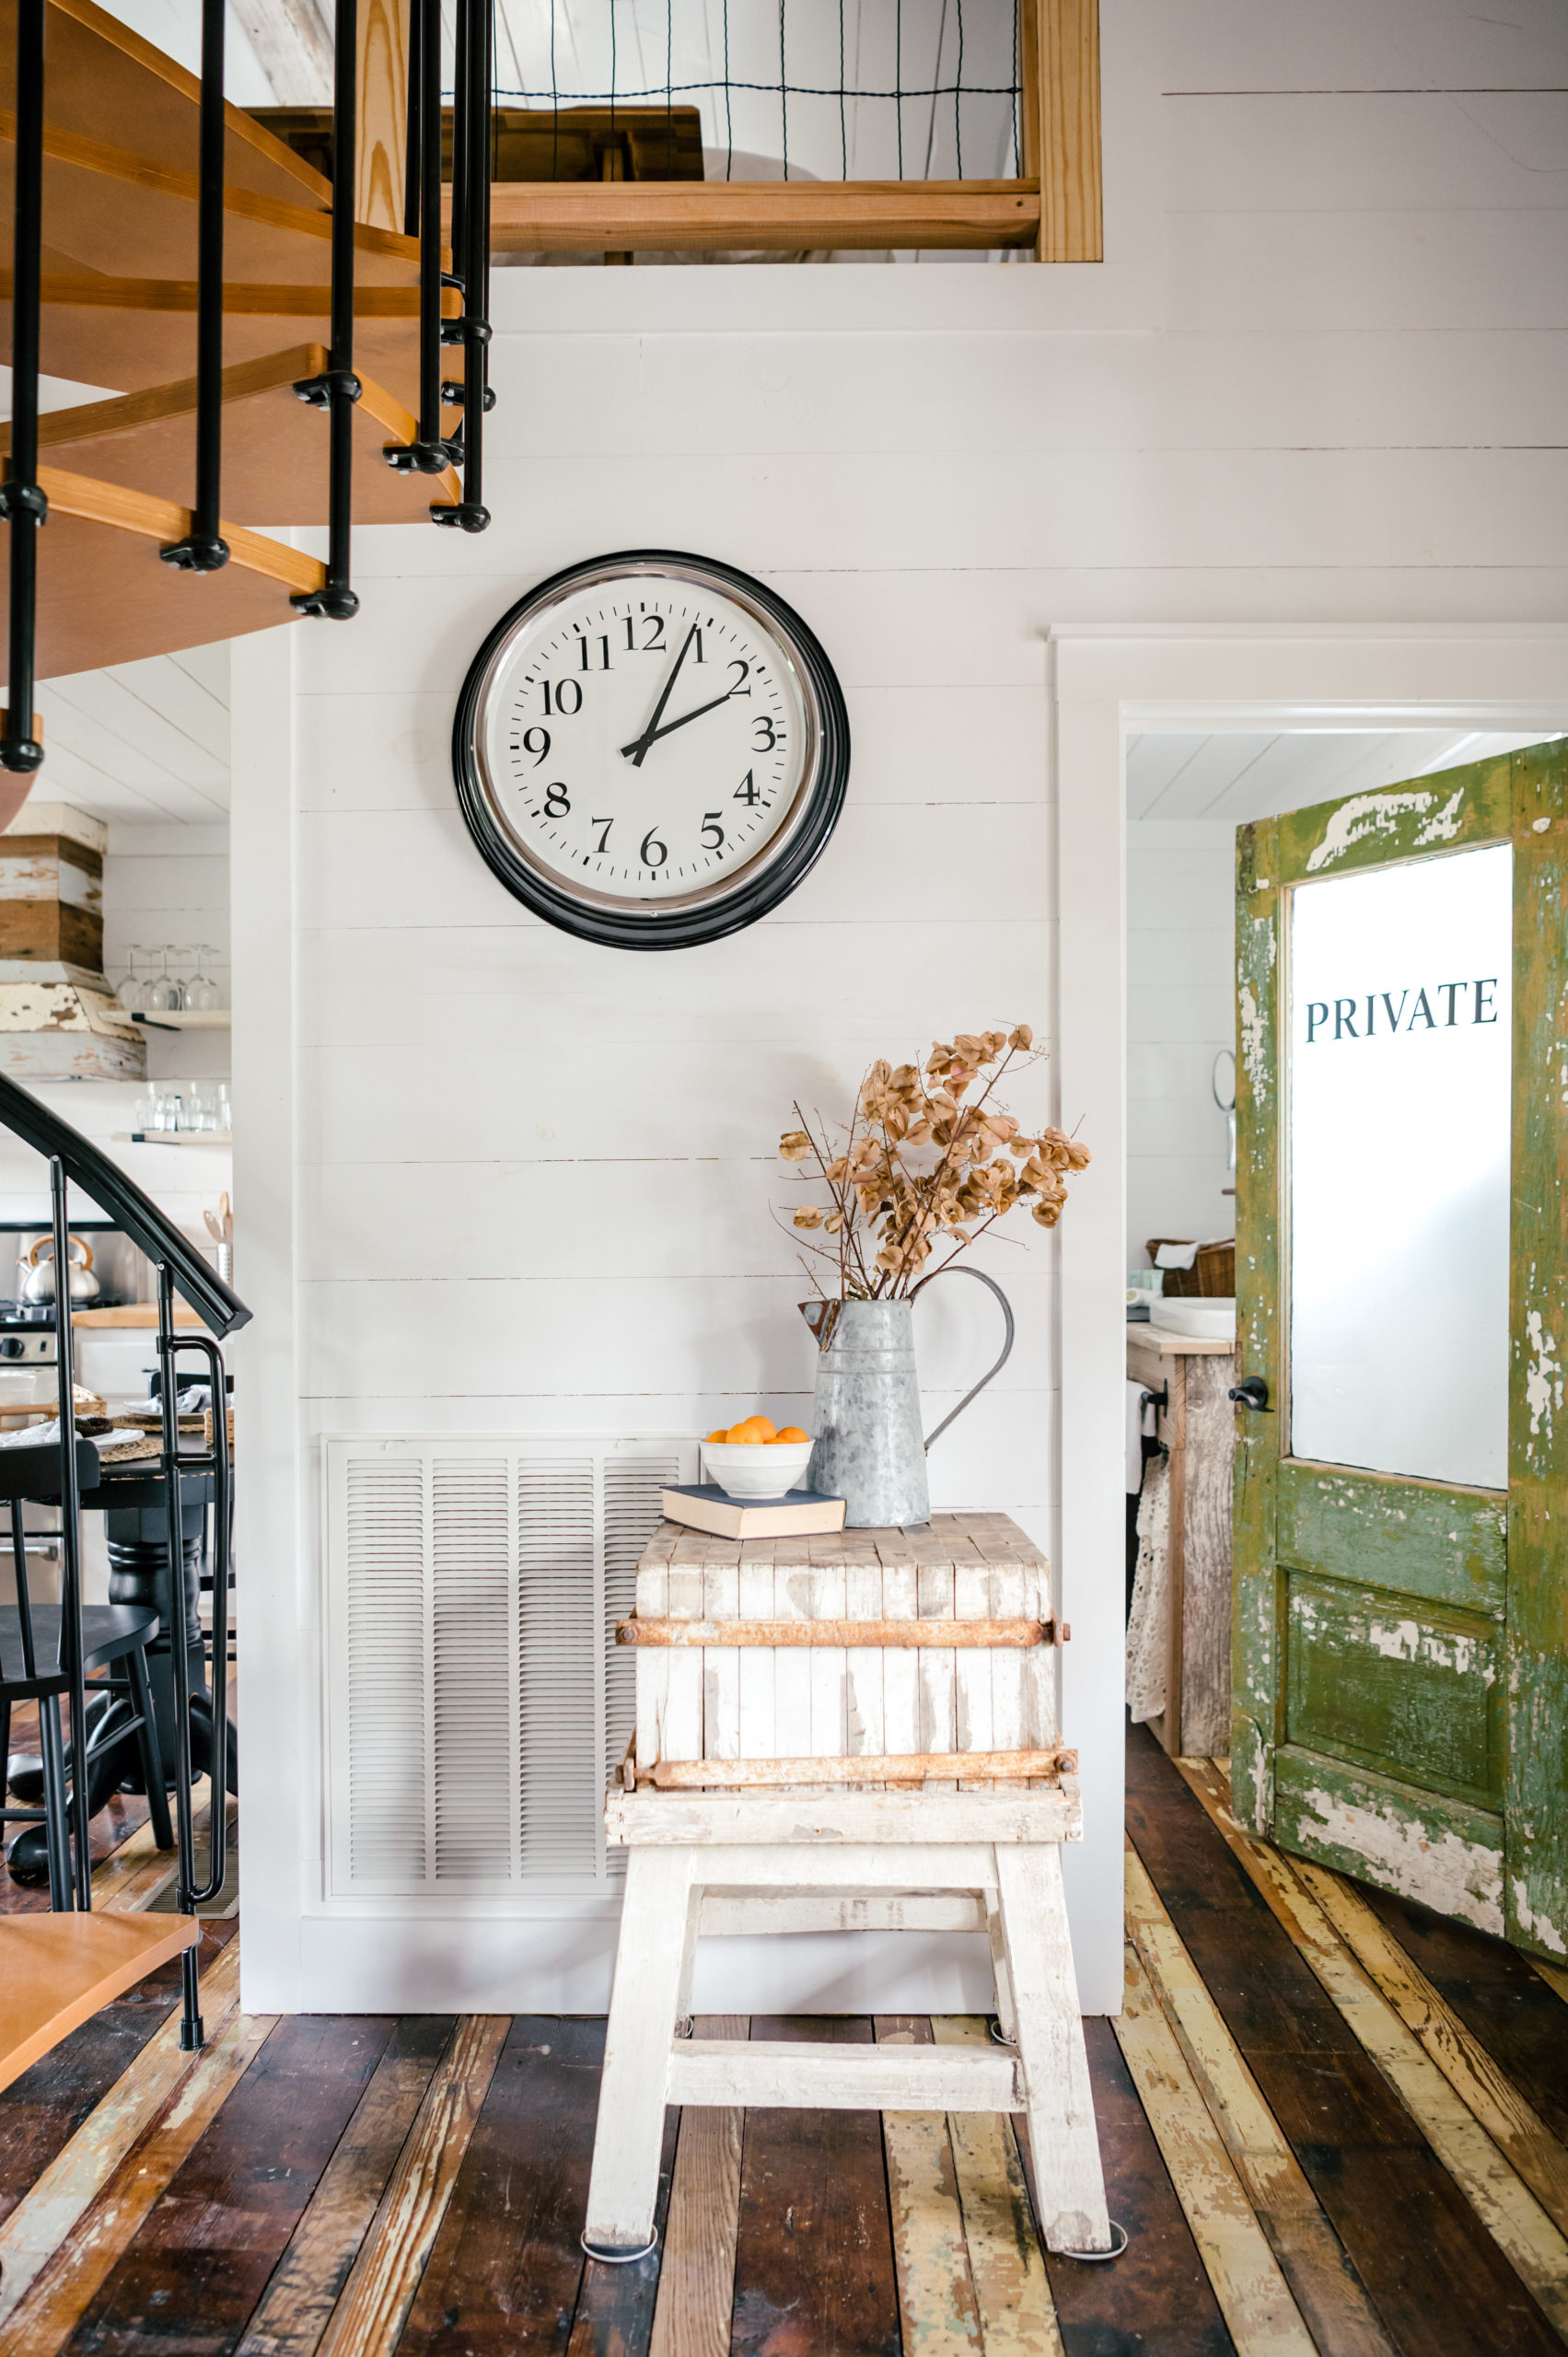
x,y
1440,2284
814,2256
1157,2297
201,2261
504,2273
1497,1994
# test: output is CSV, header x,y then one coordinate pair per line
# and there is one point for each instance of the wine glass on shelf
x,y
132,989
202,994
164,995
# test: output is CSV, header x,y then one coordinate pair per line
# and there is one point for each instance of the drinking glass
x,y
164,995
202,994
132,990
223,1115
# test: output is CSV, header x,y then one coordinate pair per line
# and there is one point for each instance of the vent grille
x,y
478,1697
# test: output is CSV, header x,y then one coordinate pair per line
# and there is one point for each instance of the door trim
x,y
1107,682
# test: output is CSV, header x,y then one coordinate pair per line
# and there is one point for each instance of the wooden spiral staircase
x,y
286,350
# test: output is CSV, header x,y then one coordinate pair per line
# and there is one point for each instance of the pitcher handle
x,y
962,1269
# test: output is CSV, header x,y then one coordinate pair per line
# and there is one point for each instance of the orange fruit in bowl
x,y
790,1432
720,1434
754,1430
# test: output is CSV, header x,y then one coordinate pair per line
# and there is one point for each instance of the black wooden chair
x,y
39,1645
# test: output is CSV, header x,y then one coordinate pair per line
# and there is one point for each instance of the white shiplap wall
x,y
1319,378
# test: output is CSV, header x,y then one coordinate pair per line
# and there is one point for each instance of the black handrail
x,y
472,134
89,1168
22,503
428,453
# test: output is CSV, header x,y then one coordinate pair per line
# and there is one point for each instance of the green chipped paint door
x,y
1400,1632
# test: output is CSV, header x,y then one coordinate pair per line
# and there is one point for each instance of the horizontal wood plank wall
x,y
933,465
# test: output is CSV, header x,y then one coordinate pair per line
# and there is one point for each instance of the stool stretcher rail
x,y
926,1636
864,1768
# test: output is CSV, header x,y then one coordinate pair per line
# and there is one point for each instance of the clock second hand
x,y
639,745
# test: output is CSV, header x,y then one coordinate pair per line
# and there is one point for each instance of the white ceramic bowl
x,y
1210,1317
756,1469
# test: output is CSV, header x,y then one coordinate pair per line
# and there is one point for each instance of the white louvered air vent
x,y
478,1700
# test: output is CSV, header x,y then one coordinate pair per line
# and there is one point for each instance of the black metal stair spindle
x,y
71,1540
471,143
203,549
22,503
429,453
338,389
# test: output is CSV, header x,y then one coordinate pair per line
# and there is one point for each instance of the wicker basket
x,y
1214,1271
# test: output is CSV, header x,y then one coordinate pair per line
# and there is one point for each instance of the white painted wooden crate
x,y
787,1701
477,1696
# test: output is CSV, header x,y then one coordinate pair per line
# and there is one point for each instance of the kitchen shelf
x,y
217,1019
173,1137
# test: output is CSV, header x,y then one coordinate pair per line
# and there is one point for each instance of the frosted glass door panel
x,y
1399,1105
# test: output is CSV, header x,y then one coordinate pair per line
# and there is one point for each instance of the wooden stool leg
x,y
1068,2184
656,1927
1004,2016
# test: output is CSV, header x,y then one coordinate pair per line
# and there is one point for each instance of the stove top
x,y
15,1315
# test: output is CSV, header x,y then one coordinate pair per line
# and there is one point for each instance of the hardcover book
x,y
799,1513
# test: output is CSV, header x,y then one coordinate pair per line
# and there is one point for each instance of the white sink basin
x,y
1208,1318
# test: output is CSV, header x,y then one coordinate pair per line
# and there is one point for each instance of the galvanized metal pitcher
x,y
867,1415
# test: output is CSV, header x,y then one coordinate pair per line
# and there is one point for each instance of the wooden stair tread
x,y
135,332
274,446
100,79
56,1971
104,596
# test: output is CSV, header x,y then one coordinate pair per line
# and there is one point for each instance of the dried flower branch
x,y
920,1169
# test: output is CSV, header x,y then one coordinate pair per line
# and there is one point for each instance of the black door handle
x,y
1252,1392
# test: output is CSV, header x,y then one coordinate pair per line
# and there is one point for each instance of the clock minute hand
x,y
639,745
652,734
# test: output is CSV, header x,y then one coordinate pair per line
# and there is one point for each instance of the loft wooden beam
x,y
780,216
1061,129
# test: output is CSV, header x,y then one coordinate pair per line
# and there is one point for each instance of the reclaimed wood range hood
x,y
59,1017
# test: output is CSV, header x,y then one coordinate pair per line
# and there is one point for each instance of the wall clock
x,y
651,750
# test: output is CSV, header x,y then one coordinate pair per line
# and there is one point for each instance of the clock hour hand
x,y
639,745
652,734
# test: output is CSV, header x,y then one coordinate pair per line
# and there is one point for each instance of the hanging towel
x,y
1148,1630
1175,1256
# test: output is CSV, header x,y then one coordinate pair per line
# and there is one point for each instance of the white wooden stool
x,y
833,1759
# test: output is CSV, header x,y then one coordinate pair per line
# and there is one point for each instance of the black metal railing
x,y
22,503
179,1267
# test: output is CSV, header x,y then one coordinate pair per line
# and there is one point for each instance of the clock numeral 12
x,y
653,643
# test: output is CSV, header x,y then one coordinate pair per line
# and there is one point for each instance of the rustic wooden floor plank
x,y
370,2311
1532,2243
1334,2304
1556,1977
1248,2283
506,2270
1486,2090
696,2281
814,2256
1497,1992
1157,2297
615,2314
937,2309
1438,2282
304,2287
88,2158
203,2254
1018,2315
1482,2302
46,2316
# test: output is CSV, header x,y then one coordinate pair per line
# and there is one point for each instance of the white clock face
x,y
645,738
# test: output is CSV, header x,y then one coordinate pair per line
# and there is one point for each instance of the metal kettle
x,y
38,1282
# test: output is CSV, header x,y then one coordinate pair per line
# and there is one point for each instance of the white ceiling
x,y
144,744
1230,778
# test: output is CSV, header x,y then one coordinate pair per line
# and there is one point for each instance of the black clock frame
x,y
654,925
